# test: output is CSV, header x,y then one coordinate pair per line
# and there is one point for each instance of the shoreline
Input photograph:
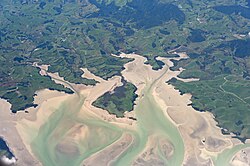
x,y
7,158
198,142
225,140
10,134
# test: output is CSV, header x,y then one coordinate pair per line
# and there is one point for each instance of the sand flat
x,y
113,151
9,132
78,132
194,127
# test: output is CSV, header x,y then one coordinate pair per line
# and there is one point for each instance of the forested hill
x,y
72,34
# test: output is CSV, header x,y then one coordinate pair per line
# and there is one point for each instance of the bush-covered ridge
x,y
119,101
71,34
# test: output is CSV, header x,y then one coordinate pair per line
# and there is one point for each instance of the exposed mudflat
x,y
67,130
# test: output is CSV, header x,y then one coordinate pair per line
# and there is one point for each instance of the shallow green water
x,y
54,134
56,145
152,122
225,157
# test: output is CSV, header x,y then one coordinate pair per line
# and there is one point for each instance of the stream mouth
x,y
68,138
72,135
76,133
158,140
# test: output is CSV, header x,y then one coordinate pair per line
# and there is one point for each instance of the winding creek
x,y
57,142
74,135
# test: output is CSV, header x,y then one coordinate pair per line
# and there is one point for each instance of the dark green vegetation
x,y
140,13
220,58
197,35
222,96
20,82
241,10
4,150
72,34
41,32
120,100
